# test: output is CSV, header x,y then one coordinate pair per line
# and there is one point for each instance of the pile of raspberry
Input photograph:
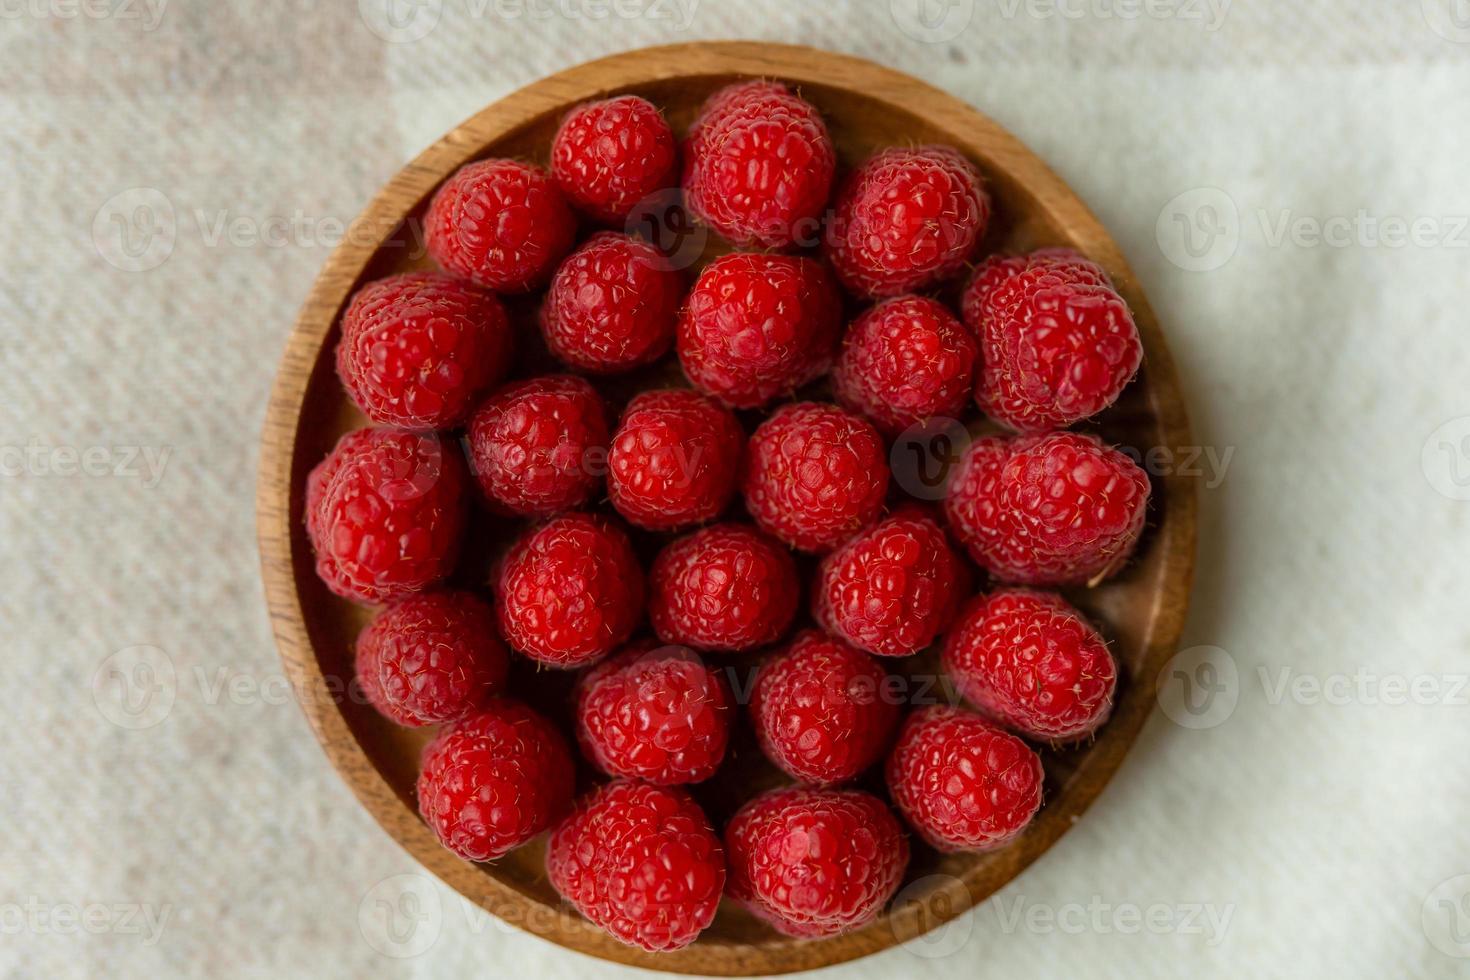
x,y
727,545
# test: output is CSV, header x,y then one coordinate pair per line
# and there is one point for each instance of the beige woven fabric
x,y
1289,182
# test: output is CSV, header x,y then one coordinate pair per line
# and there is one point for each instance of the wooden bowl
x,y
867,107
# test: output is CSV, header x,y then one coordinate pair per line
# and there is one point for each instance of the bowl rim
x,y
281,479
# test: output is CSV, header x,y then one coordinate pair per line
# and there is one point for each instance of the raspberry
x,y
1030,661
654,713
640,861
962,783
491,782
1054,509
431,658
904,361
612,305
894,588
815,862
674,459
907,219
758,165
385,511
501,224
759,326
609,155
726,588
417,348
821,710
815,475
1059,343
570,591
538,447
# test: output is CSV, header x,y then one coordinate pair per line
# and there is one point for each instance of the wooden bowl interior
x,y
1140,611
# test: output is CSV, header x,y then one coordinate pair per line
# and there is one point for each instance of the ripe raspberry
x,y
655,713
538,447
894,588
612,305
501,224
570,591
962,783
904,361
417,348
640,861
815,475
431,658
726,588
815,862
491,782
674,459
1058,342
907,219
609,155
758,165
1054,509
759,326
385,511
1033,663
821,710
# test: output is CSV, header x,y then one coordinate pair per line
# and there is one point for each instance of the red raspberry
x,y
385,511
640,861
822,711
904,361
501,224
759,326
1033,663
1054,509
570,591
758,166
1058,342
538,447
815,475
612,305
417,348
815,862
894,588
674,459
962,783
655,713
727,588
907,219
609,155
431,658
491,782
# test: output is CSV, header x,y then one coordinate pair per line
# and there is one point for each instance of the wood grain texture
x,y
867,107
